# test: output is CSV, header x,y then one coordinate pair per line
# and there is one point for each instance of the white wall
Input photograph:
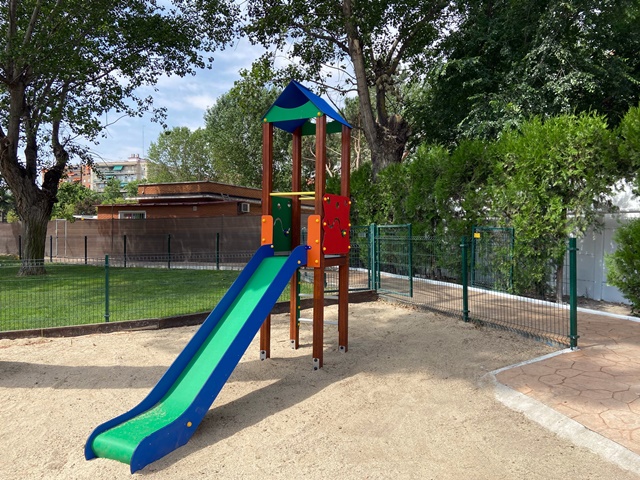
x,y
592,275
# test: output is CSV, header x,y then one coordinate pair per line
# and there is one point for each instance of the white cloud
x,y
184,98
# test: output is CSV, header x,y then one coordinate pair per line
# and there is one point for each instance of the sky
x,y
186,100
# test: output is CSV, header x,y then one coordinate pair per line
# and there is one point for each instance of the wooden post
x,y
318,273
296,186
267,187
343,269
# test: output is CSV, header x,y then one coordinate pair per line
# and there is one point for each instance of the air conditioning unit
x,y
245,207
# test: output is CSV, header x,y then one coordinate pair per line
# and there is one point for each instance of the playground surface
x,y
409,400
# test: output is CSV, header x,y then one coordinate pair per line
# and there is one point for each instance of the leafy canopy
x,y
180,155
65,63
508,61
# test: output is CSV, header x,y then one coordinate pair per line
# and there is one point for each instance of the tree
x,y
630,144
180,155
233,129
132,187
508,61
623,264
64,64
112,192
447,187
6,201
75,199
553,179
379,40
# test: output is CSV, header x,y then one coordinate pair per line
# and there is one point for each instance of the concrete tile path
x,y
598,385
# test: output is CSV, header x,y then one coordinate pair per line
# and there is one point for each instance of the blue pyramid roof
x,y
296,105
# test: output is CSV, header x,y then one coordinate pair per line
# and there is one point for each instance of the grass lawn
x,y
75,294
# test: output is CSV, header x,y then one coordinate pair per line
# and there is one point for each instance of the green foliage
x,y
234,133
364,209
381,201
65,64
509,61
6,201
132,188
548,180
447,188
75,199
352,46
552,179
630,144
112,192
180,155
436,190
623,265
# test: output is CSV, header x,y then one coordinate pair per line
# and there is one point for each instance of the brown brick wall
x,y
144,237
186,210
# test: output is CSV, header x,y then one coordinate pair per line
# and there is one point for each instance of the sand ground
x,y
406,402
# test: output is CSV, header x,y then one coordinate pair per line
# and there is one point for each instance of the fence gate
x,y
361,257
393,270
492,258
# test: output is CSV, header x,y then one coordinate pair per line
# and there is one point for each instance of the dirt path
x,y
403,403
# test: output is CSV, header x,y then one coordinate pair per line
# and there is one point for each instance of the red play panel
x,y
336,224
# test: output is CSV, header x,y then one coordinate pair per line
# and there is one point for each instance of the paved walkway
x,y
597,385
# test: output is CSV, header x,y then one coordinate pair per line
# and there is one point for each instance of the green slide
x,y
169,415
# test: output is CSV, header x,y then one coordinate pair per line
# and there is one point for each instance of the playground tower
x,y
300,112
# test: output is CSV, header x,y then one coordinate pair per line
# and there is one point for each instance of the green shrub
x,y
623,265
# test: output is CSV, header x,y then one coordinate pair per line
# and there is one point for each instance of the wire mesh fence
x,y
104,290
490,279
133,287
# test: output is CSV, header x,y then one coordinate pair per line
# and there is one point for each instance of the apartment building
x,y
95,177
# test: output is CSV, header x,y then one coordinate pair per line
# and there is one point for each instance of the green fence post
x,y
106,288
473,255
410,261
169,251
573,295
124,239
372,257
465,283
218,251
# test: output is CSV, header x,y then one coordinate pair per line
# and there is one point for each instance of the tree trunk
x,y
391,141
35,219
386,135
33,206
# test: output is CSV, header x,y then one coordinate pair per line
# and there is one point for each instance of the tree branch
x,y
28,34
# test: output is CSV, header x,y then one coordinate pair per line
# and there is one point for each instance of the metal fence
x,y
489,279
133,287
115,288
486,279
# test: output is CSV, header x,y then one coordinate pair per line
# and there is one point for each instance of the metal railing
x,y
431,272
491,283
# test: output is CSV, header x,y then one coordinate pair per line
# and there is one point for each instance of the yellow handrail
x,y
291,194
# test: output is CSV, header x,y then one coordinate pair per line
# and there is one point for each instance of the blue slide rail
x,y
176,434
